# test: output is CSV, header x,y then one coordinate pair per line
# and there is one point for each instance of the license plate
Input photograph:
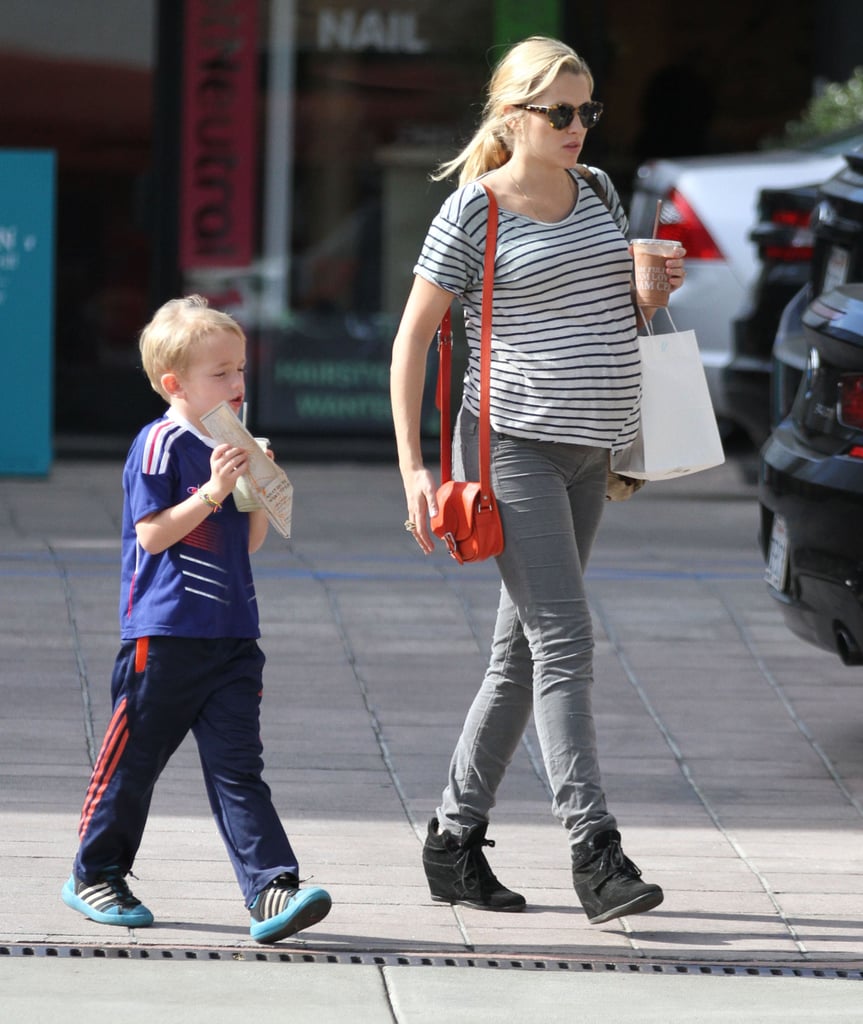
x,y
776,573
836,271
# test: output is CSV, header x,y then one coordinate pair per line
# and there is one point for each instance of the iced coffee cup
x,y
651,280
244,494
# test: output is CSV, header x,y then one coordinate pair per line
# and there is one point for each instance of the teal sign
x,y
27,186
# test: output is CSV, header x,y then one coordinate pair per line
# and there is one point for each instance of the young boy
x,y
189,626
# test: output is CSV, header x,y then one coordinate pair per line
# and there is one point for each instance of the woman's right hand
x,y
420,493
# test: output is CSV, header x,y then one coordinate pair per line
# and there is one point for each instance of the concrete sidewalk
x,y
731,752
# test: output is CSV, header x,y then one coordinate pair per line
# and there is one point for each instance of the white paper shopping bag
x,y
678,433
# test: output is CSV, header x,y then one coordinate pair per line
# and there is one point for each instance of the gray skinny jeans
x,y
551,499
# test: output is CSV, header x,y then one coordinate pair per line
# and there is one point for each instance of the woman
x,y
564,390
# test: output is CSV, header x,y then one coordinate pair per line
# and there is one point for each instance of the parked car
x,y
784,241
836,226
811,488
811,492
709,203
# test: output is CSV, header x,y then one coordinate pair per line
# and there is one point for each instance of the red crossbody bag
x,y
468,519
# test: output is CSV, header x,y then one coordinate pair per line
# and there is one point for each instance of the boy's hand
x,y
159,530
227,465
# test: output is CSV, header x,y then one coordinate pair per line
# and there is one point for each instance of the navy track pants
x,y
162,688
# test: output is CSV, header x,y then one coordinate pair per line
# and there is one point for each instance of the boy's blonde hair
x,y
524,72
169,341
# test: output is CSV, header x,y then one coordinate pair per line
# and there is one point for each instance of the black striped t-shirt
x,y
565,363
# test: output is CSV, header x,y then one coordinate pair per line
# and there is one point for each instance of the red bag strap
x,y
444,372
445,365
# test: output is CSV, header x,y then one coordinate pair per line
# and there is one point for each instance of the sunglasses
x,y
561,114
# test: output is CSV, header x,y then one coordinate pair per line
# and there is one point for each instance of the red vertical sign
x,y
217,211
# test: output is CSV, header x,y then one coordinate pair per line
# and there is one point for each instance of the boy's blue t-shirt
x,y
202,586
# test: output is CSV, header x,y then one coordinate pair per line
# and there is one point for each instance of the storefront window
x,y
360,101
308,224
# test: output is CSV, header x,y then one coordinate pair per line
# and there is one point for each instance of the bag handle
x,y
445,365
647,323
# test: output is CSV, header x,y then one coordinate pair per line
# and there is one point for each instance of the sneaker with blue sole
x,y
109,900
283,908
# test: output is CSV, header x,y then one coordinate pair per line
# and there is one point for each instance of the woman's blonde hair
x,y
169,341
523,73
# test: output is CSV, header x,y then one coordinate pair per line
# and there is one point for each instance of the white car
x,y
709,204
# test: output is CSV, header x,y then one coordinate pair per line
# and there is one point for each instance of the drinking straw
x,y
656,218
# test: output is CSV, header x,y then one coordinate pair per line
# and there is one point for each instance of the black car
x,y
784,240
811,488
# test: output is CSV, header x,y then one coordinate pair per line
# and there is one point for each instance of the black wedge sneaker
x,y
458,872
606,881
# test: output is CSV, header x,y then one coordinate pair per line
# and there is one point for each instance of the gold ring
x,y
410,526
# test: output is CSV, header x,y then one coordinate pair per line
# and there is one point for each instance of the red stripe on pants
x,y
116,737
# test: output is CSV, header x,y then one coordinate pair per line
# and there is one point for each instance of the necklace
x,y
523,194
521,191
531,209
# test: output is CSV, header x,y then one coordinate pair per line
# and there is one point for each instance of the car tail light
x,y
799,242
850,400
679,221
